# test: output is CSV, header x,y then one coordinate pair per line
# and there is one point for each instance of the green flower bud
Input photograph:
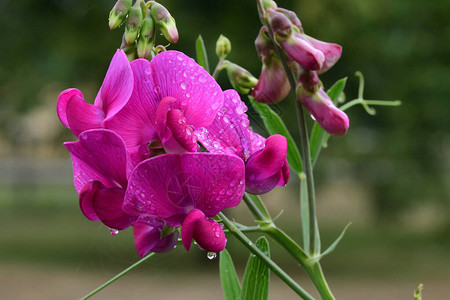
x,y
119,13
241,79
146,37
223,46
165,22
134,21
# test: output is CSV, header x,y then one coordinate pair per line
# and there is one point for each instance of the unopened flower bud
x,y
273,85
130,50
324,112
223,46
146,37
119,13
266,4
292,16
296,45
134,21
240,78
165,22
331,51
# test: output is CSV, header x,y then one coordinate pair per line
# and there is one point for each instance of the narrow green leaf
x,y
304,211
202,57
255,284
275,125
230,282
318,135
334,244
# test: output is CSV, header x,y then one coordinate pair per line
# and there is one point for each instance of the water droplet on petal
x,y
156,89
183,85
148,71
202,78
113,231
180,57
211,255
185,74
215,105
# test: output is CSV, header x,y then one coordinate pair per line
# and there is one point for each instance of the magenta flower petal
x,y
331,51
284,174
117,85
181,131
107,204
188,227
172,185
209,235
147,235
264,169
82,116
101,155
273,85
198,94
135,123
229,133
61,104
86,199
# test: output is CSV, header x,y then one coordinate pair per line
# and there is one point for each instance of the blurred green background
x,y
389,175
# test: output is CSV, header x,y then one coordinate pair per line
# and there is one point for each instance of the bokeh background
x,y
389,175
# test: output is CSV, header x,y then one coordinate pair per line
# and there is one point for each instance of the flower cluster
x,y
307,57
138,161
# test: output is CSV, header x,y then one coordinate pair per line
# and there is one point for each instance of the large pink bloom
x,y
187,189
265,160
78,116
172,96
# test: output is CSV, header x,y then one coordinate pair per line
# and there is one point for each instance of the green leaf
x,y
418,292
275,125
304,211
318,135
230,282
202,57
334,244
255,284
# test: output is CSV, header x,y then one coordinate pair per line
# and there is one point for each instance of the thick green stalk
x,y
270,263
117,276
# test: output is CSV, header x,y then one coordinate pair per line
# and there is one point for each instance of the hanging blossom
x,y
187,189
265,160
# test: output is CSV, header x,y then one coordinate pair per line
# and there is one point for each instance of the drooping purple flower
x,y
78,116
331,51
273,85
187,189
265,159
100,169
172,96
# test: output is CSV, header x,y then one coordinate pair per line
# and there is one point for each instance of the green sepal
x,y
333,245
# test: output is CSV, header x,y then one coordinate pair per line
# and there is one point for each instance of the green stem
x,y
369,102
270,263
218,68
257,208
118,276
312,267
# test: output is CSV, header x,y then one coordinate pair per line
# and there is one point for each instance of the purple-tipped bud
x,y
266,4
223,46
146,37
134,22
273,85
241,79
330,118
165,22
119,13
296,45
292,16
331,51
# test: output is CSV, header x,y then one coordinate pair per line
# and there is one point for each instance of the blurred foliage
x,y
401,47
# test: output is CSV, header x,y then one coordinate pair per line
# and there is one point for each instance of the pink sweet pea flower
x,y
100,169
78,116
265,160
172,96
187,189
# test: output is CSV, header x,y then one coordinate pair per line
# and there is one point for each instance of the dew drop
x,y
226,119
217,234
156,89
113,231
185,74
215,105
183,85
148,71
211,255
202,78
245,122
229,192
191,62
